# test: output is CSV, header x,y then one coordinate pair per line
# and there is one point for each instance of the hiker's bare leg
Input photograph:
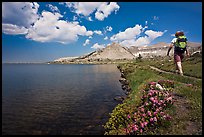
x,y
179,68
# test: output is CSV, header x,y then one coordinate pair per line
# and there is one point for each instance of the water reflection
x,y
58,99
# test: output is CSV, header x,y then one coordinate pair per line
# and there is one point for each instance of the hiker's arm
x,y
170,47
187,52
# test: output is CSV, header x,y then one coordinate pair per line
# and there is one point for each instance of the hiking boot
x,y
181,74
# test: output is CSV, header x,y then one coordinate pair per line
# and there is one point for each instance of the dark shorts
x,y
178,57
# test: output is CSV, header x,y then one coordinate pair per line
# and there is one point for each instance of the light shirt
x,y
174,40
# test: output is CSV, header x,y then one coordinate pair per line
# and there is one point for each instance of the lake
x,y
58,99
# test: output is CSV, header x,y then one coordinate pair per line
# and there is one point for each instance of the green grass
x,y
138,74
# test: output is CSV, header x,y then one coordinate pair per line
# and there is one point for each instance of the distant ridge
x,y
115,51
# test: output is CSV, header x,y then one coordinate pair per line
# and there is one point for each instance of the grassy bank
x,y
185,111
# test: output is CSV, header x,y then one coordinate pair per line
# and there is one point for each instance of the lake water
x,y
58,99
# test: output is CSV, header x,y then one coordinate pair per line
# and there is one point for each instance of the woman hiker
x,y
180,47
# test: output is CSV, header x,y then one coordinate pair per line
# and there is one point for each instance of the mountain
x,y
115,51
64,59
159,49
112,52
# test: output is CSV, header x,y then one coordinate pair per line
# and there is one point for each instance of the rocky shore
x,y
124,85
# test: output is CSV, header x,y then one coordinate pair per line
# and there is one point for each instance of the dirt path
x,y
162,71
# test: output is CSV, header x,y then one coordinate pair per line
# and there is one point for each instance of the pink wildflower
x,y
141,130
135,128
142,109
168,117
157,110
152,99
161,113
143,114
127,131
155,119
164,116
149,113
150,94
152,83
155,113
145,123
142,125
151,119
128,116
169,99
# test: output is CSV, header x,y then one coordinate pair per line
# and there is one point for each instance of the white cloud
x,y
97,46
86,42
130,37
53,8
109,28
84,8
90,19
75,18
50,29
129,33
153,34
19,13
106,38
143,29
105,10
98,32
13,29
128,42
141,41
146,23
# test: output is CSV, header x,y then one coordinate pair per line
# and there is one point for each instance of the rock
x,y
119,98
123,81
122,75
159,87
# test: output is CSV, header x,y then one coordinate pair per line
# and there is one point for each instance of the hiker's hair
x,y
179,33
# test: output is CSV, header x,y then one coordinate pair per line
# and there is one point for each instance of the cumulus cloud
x,y
13,29
84,8
98,32
106,38
90,19
97,46
22,14
50,29
132,36
75,18
109,28
86,42
129,33
146,23
141,41
153,34
53,8
103,9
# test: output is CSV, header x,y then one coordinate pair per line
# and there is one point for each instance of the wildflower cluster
x,y
151,113
166,83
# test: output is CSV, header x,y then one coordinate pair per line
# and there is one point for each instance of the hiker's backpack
x,y
181,44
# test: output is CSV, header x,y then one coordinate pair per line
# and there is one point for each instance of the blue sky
x,y
44,31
